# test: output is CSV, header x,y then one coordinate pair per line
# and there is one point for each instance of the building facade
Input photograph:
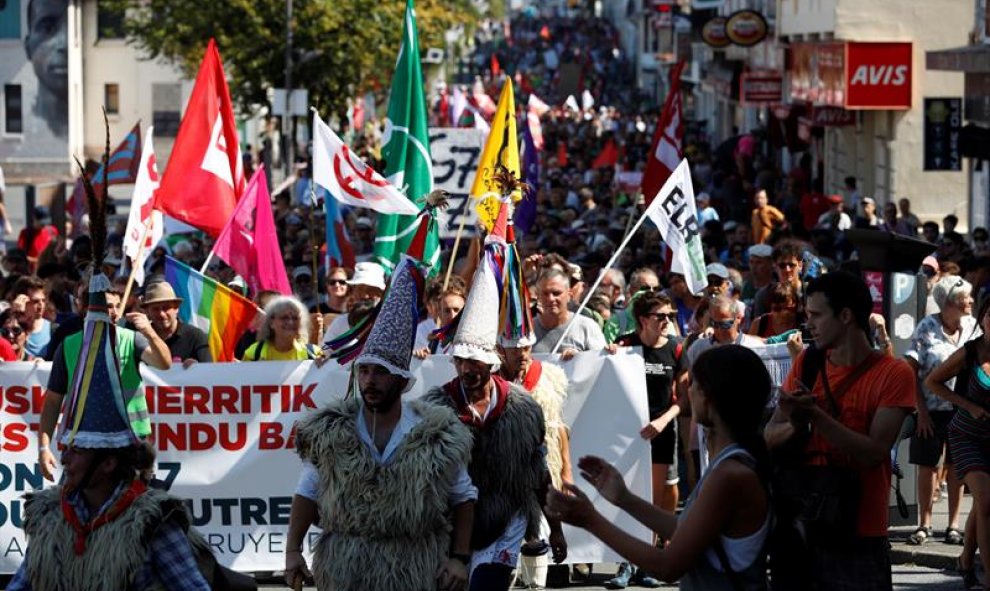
x,y
858,68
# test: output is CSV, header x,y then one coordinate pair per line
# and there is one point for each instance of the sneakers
x,y
644,580
621,578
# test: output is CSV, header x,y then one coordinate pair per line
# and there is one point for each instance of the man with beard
x,y
386,478
507,460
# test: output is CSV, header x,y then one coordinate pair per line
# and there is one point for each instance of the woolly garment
x,y
550,393
115,552
388,526
507,466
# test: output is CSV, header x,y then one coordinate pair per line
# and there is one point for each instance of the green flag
x,y
408,164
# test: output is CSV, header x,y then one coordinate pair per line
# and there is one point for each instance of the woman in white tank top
x,y
728,513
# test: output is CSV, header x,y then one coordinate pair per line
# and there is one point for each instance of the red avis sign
x,y
878,75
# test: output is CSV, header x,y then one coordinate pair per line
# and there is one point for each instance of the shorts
x,y
927,451
663,447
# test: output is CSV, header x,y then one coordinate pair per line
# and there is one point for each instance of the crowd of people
x,y
721,433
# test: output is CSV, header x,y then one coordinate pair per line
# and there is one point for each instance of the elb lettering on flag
x,y
674,213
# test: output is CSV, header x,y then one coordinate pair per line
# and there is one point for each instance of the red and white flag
x,y
339,170
248,243
143,213
205,176
535,108
667,140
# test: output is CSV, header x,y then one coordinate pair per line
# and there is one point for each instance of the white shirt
x,y
461,487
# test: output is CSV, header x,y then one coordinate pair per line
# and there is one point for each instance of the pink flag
x,y
248,244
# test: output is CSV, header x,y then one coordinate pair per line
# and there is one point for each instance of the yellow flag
x,y
501,147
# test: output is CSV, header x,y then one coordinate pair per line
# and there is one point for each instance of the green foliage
x,y
348,46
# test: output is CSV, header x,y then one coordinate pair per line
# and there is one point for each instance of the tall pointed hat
x,y
95,413
387,335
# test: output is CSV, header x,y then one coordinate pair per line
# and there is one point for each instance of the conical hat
x,y
478,328
96,412
391,339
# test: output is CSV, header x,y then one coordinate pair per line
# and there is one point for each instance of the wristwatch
x,y
464,559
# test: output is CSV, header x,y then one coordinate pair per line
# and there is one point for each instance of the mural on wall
x,y
35,75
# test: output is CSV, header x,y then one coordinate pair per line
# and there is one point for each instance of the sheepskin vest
x,y
507,466
387,526
115,552
550,393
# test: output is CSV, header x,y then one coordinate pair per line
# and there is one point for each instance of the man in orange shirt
x,y
765,218
854,406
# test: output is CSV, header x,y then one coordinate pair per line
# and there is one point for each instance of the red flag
x,y
545,32
204,178
668,138
496,68
248,244
608,157
561,154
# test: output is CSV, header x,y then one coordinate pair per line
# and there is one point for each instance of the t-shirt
x,y
889,383
298,352
662,365
701,345
189,342
585,335
37,342
930,346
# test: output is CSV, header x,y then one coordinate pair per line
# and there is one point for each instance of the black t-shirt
x,y
662,365
189,342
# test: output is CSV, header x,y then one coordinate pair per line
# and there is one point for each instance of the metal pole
x,y
290,151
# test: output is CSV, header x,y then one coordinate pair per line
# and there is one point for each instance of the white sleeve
x,y
461,487
309,482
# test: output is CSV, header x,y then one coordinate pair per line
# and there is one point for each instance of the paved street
x,y
906,578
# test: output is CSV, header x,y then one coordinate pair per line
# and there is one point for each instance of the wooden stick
x,y
457,242
137,260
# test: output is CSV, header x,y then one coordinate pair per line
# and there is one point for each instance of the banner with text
x,y
225,440
456,152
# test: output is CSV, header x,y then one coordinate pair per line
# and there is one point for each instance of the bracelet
x,y
464,559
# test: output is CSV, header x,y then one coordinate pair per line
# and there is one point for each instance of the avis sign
x,y
878,75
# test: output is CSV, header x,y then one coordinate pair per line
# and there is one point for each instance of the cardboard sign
x,y
456,152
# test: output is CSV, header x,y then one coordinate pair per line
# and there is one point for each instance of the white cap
x,y
370,274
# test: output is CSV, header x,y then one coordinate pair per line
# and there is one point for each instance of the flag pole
x,y
457,242
312,232
206,263
137,260
601,276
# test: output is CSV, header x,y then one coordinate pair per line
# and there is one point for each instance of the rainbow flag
x,y
223,314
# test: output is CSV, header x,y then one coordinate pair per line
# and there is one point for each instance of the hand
x,y
295,568
187,363
611,348
140,322
568,354
798,404
19,304
452,575
654,428
878,322
46,460
572,506
795,344
321,361
925,427
604,477
558,545
421,353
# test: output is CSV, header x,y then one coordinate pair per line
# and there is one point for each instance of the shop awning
x,y
972,58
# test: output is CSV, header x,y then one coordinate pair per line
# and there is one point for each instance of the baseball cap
x,y
717,269
835,199
300,271
761,251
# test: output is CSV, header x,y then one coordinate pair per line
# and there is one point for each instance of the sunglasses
x,y
723,324
955,286
669,316
336,282
787,265
647,288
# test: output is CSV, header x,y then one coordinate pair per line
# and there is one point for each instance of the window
x,y
166,105
111,98
10,19
109,22
13,111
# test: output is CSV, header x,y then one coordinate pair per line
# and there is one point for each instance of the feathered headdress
x,y
96,412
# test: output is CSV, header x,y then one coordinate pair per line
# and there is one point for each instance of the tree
x,y
349,46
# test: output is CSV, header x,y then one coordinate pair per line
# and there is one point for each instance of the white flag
x,y
587,101
535,104
674,214
339,170
571,103
142,212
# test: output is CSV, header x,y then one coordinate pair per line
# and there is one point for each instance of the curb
x,y
902,554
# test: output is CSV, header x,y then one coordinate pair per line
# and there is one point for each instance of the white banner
x,y
224,434
456,151
675,214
